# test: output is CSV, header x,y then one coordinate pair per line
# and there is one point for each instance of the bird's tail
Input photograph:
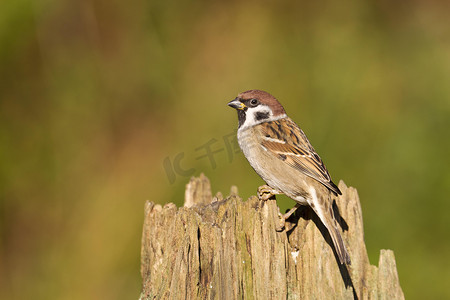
x,y
324,209
339,245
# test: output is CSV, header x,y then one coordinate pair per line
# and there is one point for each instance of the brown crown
x,y
264,98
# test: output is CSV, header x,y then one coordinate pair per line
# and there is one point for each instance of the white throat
x,y
258,115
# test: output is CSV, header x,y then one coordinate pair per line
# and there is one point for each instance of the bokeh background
x,y
105,104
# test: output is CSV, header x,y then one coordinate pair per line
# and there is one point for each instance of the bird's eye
x,y
254,102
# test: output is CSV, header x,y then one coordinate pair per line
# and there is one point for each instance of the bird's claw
x,y
265,192
282,222
286,216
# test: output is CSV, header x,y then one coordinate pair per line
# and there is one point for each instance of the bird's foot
x,y
286,216
265,192
281,224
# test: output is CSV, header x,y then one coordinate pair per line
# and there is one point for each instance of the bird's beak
x,y
237,104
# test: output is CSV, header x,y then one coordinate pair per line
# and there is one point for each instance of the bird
x,y
281,154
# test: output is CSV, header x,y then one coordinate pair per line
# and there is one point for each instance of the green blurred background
x,y
98,98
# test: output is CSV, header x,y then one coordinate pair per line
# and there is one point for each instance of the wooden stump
x,y
216,248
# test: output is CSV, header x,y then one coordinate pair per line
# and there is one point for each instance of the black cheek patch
x,y
262,115
282,157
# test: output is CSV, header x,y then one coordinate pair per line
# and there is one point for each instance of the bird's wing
x,y
284,139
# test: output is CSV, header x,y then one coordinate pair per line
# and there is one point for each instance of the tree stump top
x,y
215,248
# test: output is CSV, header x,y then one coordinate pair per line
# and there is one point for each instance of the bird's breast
x,y
272,170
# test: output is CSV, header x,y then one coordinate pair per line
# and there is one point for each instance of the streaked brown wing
x,y
288,142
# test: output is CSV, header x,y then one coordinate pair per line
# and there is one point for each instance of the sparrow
x,y
281,154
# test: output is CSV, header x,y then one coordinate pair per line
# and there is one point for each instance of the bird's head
x,y
255,107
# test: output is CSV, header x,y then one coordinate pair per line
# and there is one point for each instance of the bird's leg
x,y
286,216
265,192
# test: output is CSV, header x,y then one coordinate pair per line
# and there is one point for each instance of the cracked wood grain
x,y
215,248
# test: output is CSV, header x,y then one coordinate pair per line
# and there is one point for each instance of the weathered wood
x,y
229,249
